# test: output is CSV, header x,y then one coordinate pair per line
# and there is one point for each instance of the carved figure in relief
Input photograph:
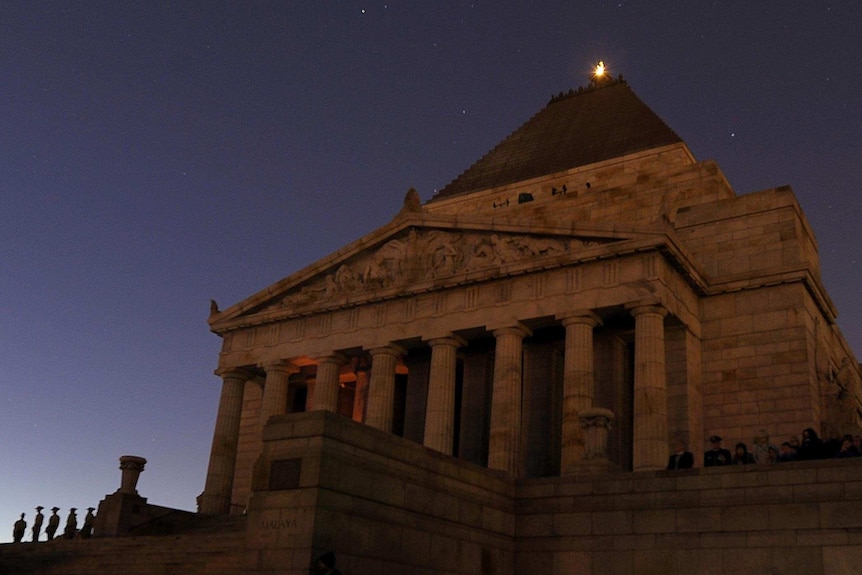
x,y
506,250
384,267
445,257
545,246
345,279
430,255
483,254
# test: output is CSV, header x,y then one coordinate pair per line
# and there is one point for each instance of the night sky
x,y
156,155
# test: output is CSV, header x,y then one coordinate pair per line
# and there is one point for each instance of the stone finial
x,y
596,422
132,466
412,202
213,307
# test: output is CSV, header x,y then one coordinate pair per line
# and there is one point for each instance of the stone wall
x,y
792,518
383,504
213,546
387,505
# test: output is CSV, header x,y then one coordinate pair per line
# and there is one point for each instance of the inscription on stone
x,y
274,524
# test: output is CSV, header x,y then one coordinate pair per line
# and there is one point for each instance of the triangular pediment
x,y
420,254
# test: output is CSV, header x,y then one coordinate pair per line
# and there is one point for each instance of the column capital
x,y
584,316
652,305
519,330
282,366
392,349
234,373
451,340
335,357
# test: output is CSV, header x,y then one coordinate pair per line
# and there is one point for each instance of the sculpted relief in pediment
x,y
428,255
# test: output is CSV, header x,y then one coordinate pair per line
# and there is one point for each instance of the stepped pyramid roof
x,y
603,121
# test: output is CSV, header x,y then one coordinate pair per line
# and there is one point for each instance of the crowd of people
x,y
810,447
70,531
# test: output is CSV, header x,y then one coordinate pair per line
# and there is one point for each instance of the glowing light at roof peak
x,y
600,68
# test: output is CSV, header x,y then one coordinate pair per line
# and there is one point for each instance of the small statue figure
x,y
53,523
89,520
71,524
37,523
18,529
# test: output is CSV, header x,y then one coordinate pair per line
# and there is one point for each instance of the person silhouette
x,y
89,519
326,564
53,523
37,523
71,524
18,529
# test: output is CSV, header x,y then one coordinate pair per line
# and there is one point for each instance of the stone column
x,y
131,466
381,388
275,387
360,398
440,407
578,386
327,384
215,500
505,435
650,441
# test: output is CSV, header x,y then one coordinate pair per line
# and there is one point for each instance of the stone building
x,y
490,383
587,261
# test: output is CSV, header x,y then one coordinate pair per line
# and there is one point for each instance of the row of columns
x,y
649,406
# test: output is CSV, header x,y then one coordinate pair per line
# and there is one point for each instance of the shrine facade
x,y
586,272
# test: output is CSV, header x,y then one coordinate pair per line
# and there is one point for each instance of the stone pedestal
x,y
131,466
124,508
595,423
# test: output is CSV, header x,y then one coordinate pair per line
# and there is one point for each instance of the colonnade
x,y
650,426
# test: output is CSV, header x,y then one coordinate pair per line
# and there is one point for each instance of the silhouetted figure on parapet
x,y
811,446
786,453
680,458
71,524
741,456
847,448
37,523
53,523
716,456
326,564
19,529
87,528
760,450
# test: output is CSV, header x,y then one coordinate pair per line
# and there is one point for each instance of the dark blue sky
x,y
154,155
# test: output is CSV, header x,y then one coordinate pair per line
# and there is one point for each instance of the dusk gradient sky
x,y
155,155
